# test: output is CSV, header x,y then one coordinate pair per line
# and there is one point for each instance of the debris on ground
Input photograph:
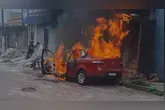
x,y
146,86
141,82
130,69
17,60
51,78
159,93
10,54
154,78
151,88
36,56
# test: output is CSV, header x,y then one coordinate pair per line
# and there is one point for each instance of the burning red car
x,y
101,59
87,67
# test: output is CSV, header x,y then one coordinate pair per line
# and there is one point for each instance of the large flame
x,y
101,48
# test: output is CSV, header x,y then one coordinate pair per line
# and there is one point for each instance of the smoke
x,y
60,32
74,26
71,27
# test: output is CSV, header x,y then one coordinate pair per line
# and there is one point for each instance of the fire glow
x,y
99,47
60,66
111,49
76,50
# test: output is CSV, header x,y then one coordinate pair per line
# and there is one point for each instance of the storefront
x,y
39,23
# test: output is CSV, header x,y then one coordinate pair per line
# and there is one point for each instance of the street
x,y
12,81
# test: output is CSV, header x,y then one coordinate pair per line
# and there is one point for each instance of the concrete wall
x,y
159,44
39,35
23,40
12,39
32,28
126,52
17,37
52,39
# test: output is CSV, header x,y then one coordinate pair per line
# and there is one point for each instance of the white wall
x,y
51,39
32,28
40,34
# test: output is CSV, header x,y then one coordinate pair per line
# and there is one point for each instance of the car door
x,y
47,62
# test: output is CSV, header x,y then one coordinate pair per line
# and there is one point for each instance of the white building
x,y
40,27
15,32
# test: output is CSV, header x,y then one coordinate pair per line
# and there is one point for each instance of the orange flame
x,y
99,47
60,66
76,50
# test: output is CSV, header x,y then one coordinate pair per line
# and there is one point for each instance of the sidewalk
x,y
152,87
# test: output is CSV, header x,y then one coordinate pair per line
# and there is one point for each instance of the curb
x,y
142,88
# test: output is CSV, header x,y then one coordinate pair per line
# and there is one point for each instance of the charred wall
x,y
146,47
130,43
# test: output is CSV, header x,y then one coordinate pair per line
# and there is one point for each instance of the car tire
x,y
81,78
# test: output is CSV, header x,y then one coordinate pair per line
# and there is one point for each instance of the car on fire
x,y
85,68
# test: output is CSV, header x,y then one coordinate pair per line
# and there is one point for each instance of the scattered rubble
x,y
50,78
10,54
154,78
36,55
141,82
15,56
143,86
130,70
17,60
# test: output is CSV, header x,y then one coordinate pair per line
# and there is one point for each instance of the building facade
x,y
14,31
41,26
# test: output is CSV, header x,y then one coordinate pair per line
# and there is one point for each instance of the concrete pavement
x,y
12,81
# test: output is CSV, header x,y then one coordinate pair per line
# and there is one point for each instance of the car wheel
x,y
81,78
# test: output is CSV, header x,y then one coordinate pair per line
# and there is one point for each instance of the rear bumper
x,y
107,76
104,72
102,78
